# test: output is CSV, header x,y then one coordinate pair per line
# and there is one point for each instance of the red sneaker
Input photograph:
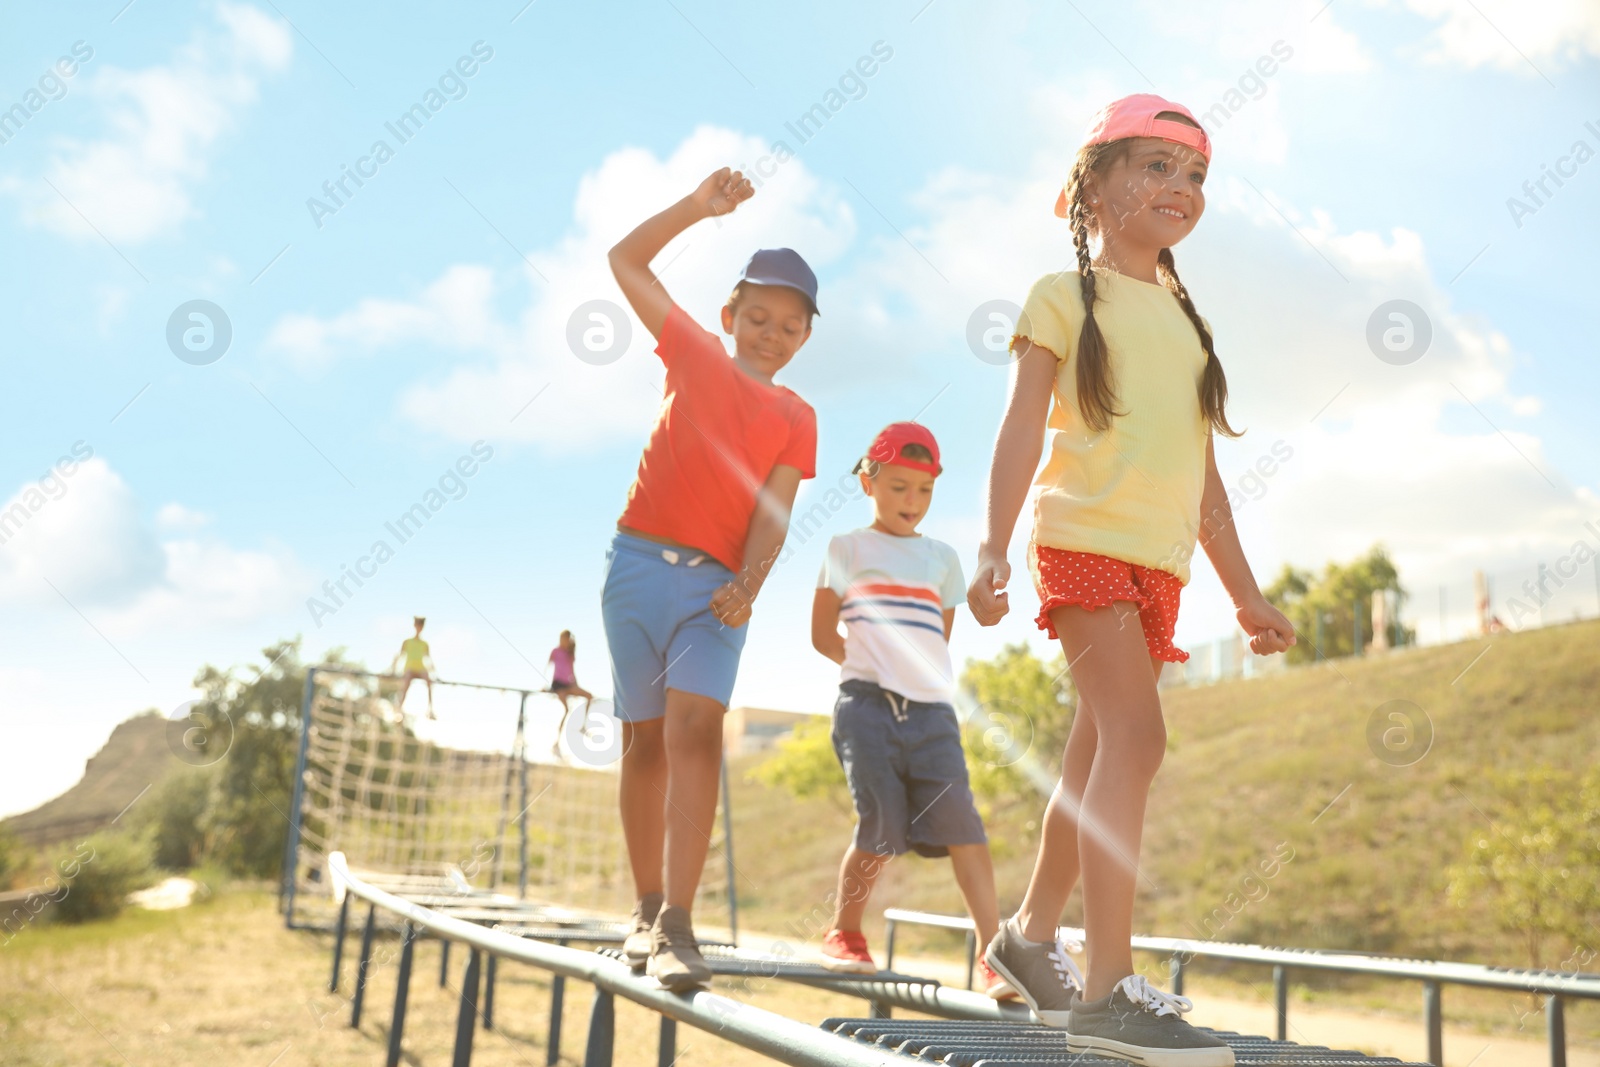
x,y
845,951
996,987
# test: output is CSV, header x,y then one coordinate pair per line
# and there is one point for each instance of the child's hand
x,y
985,596
731,603
1270,631
722,192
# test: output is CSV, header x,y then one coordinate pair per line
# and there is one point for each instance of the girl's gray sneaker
x,y
1040,971
1141,1023
675,959
636,946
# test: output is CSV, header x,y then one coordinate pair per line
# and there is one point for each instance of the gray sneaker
x,y
1040,971
675,959
1141,1023
636,946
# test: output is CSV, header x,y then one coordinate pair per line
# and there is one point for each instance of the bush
x,y
172,818
105,869
10,857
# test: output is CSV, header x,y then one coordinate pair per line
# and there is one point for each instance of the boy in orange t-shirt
x,y
705,520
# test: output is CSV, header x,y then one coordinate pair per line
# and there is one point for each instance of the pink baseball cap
x,y
1135,116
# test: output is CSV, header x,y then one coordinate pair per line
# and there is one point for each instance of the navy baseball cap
x,y
782,266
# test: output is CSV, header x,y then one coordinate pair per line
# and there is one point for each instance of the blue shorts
x,y
907,772
659,625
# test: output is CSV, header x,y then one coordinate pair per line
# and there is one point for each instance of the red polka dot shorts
x,y
1083,578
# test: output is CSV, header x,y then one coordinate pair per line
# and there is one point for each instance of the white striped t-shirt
x,y
894,592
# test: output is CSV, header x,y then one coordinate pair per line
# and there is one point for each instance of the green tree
x,y
246,819
1342,590
1538,866
174,815
1017,722
805,764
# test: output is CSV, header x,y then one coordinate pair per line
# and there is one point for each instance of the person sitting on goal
x,y
564,684
414,650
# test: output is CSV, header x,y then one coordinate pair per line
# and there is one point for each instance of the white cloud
x,y
506,361
83,534
455,312
1509,34
137,180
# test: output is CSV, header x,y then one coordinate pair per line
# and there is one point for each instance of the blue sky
x,y
429,312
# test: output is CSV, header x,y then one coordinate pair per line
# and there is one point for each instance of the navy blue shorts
x,y
907,772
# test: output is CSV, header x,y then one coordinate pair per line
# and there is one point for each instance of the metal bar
x,y
667,1050
338,942
488,993
444,961
764,1032
889,923
602,1029
1555,1021
522,816
1176,970
558,991
1433,1020
972,954
467,1018
327,668
402,988
1579,984
727,852
291,844
361,967
1280,999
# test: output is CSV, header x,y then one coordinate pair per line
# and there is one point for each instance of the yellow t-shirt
x,y
416,652
1133,492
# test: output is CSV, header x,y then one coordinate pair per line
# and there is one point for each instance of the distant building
x,y
746,730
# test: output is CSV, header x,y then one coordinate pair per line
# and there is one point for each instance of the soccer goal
x,y
492,796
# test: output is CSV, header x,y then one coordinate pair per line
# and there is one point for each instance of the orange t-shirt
x,y
718,436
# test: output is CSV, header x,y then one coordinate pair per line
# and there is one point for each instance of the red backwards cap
x,y
891,441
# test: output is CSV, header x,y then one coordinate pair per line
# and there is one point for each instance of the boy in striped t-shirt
x,y
894,729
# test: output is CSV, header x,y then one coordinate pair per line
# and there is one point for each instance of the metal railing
x,y
765,1032
1433,974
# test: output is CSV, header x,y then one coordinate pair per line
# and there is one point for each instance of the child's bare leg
x,y
974,872
693,737
1112,670
641,786
1056,868
858,873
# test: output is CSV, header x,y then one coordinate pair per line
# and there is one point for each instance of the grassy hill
x,y
134,756
1261,766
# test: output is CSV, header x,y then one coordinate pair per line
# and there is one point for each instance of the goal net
x,y
492,793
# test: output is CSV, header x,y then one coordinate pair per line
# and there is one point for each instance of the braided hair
x,y
1097,397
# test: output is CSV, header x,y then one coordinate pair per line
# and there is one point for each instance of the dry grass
x,y
225,984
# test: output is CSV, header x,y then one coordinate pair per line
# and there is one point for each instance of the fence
x,y
1524,598
1434,975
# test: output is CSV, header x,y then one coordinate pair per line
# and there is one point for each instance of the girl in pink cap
x,y
1130,486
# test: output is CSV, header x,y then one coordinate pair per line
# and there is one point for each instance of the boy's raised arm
x,y
630,257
